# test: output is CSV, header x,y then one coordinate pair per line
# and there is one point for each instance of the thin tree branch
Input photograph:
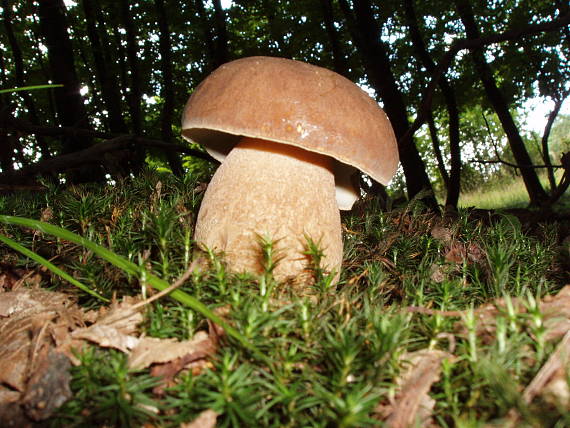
x,y
513,165
558,101
10,122
462,44
94,154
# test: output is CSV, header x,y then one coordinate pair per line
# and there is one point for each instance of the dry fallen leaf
x,y
550,383
455,254
40,329
34,376
106,336
555,312
551,378
412,404
115,327
442,233
48,387
26,316
26,301
206,419
151,350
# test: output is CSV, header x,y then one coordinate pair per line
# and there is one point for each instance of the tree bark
x,y
19,74
134,96
208,34
167,87
366,35
544,143
109,89
339,59
453,180
69,102
437,150
222,54
535,190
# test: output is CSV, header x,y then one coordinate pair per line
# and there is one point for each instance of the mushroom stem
x,y
277,191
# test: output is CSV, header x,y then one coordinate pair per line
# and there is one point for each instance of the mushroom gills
x,y
275,191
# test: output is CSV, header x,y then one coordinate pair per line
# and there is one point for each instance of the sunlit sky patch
x,y
538,110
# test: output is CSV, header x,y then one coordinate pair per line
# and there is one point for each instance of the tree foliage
x,y
128,68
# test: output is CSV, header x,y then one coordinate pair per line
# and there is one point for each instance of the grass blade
x,y
130,268
36,257
30,88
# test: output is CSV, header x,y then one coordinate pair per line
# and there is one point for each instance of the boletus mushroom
x,y
289,135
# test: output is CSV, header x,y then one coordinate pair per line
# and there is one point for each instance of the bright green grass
x,y
509,195
505,194
331,355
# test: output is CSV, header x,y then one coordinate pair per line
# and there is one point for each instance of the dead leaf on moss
x,y
48,387
26,318
412,404
151,350
550,383
34,375
115,327
27,301
551,378
555,312
455,253
106,336
442,233
197,350
206,419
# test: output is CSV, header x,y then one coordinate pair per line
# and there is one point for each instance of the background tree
x,y
68,100
128,68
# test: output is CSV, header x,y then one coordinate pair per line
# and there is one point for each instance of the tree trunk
x,y
535,190
69,102
222,54
134,96
544,143
453,181
208,34
366,35
167,89
19,73
109,89
339,59
436,145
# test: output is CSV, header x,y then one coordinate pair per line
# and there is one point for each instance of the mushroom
x,y
289,135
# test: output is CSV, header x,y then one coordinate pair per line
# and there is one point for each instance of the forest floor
x,y
457,321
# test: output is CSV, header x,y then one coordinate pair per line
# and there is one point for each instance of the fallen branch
x,y
92,155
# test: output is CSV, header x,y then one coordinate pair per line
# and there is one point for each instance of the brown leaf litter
x,y
40,329
206,419
412,404
550,383
555,312
455,253
34,380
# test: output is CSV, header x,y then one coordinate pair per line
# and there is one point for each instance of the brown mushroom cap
x,y
294,103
